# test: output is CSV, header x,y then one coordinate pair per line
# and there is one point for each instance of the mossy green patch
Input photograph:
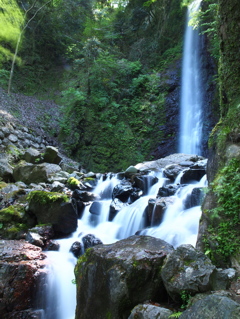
x,y
12,221
44,197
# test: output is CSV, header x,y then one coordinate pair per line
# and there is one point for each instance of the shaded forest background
x,y
108,65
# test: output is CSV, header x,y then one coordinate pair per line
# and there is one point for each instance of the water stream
x,y
191,90
179,226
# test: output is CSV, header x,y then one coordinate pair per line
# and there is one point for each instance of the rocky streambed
x,y
42,197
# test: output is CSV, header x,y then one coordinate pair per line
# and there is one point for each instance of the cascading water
x,y
179,226
191,97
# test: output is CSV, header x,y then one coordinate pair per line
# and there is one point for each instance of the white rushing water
x,y
179,226
191,95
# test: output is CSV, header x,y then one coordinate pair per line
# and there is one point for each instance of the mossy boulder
x,y
54,209
112,279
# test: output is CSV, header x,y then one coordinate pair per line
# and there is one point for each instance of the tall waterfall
x,y
191,97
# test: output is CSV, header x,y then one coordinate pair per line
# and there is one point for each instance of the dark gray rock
x,y
112,279
144,182
123,191
30,173
84,196
6,171
192,174
96,208
187,269
195,198
157,208
172,171
168,190
76,249
90,240
31,155
211,307
12,138
115,206
51,155
146,311
35,239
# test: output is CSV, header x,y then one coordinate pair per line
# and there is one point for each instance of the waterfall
x,y
179,226
191,97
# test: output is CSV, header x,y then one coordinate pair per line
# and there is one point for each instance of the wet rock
x,y
213,306
96,208
187,269
192,174
35,239
168,190
195,198
146,311
126,273
21,271
122,191
115,206
79,206
90,241
157,208
76,249
51,245
172,171
84,196
144,182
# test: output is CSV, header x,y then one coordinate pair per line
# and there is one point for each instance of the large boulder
x,y
51,155
187,269
112,279
54,209
213,306
21,271
146,311
31,173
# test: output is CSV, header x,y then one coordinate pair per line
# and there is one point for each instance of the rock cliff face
x,y
22,278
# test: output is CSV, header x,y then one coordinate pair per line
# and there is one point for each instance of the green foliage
x,y
11,21
210,25
12,221
185,296
175,314
114,102
226,233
